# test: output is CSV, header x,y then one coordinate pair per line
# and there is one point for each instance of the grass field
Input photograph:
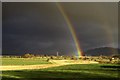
x,y
67,71
23,61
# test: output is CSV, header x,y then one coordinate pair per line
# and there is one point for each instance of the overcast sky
x,y
41,28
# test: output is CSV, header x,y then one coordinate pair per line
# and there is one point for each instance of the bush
x,y
28,55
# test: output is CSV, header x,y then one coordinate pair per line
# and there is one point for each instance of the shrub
x,y
27,55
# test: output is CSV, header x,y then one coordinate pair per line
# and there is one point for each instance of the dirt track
x,y
54,64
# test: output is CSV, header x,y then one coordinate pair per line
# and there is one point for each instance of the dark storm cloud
x,y
95,23
0,28
40,27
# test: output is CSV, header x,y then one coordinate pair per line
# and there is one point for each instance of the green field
x,y
23,61
69,71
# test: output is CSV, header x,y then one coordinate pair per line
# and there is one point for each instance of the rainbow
x,y
70,26
73,33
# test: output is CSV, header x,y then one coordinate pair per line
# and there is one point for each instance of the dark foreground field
x,y
76,71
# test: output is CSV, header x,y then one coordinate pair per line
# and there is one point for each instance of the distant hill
x,y
105,51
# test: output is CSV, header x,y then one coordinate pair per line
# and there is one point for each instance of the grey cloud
x,y
41,28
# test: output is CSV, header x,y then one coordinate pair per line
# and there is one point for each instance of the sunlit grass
x,y
69,71
23,61
9,76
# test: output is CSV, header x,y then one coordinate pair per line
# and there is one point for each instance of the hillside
x,y
105,51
